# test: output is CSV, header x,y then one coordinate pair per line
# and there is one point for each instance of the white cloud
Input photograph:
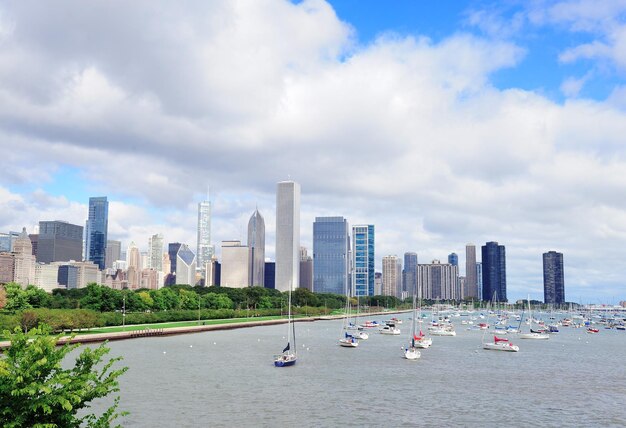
x,y
405,133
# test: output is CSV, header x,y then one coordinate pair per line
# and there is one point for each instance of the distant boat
x,y
390,329
593,330
348,338
288,356
533,334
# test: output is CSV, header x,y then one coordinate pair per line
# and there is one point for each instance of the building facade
x,y
287,235
24,260
59,241
409,274
185,266
392,278
256,250
363,260
494,272
235,266
204,248
553,278
437,281
471,276
331,255
96,231
155,252
306,270
113,253
453,259
270,275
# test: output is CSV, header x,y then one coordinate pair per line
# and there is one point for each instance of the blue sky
x,y
442,123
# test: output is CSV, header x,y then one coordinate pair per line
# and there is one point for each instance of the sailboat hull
x,y
280,363
412,354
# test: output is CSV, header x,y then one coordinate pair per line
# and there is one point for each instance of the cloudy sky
x,y
441,123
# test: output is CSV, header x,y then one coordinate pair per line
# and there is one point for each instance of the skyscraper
x,y
256,250
235,265
453,259
155,252
494,272
362,260
96,230
306,269
479,280
204,249
409,274
287,235
391,276
553,278
471,277
113,253
438,281
59,241
185,266
331,260
24,260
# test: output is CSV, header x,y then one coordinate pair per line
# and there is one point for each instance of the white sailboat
x,y
532,334
411,352
499,343
289,356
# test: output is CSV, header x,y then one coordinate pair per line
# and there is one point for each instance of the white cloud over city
x,y
152,102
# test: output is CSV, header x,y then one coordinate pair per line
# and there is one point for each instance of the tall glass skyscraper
x,y
363,260
287,235
331,255
553,278
256,250
453,259
494,272
204,248
409,274
96,231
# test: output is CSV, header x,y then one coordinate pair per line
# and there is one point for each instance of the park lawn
x,y
139,327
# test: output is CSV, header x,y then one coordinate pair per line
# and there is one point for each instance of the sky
x,y
441,123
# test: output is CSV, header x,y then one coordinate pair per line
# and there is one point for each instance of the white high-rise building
x,y
256,248
204,249
155,252
438,281
287,235
235,266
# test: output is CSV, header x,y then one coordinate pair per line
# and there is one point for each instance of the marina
x,y
574,379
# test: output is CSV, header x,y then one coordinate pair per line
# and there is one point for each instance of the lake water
x,y
227,379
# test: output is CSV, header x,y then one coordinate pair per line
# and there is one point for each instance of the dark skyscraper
x,y
59,241
494,272
96,231
270,275
409,274
331,243
553,279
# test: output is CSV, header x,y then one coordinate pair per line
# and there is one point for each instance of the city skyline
x,y
372,110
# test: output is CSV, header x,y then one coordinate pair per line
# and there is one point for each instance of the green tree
x,y
37,297
36,391
16,297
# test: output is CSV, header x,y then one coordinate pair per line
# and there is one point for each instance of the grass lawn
x,y
175,324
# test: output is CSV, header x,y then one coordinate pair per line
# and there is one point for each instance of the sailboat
x,y
411,352
421,341
533,334
499,343
347,339
288,356
359,333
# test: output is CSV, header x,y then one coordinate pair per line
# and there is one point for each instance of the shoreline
x,y
146,331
